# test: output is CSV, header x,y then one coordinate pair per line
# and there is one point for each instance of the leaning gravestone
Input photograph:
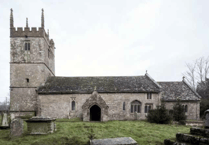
x,y
114,141
16,127
207,118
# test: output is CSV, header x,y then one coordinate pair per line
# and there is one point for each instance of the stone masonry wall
x,y
59,106
36,73
33,64
23,99
38,51
192,107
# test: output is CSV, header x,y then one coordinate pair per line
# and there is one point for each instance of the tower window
x,y
149,95
27,46
27,80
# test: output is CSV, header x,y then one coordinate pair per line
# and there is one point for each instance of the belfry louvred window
x,y
27,45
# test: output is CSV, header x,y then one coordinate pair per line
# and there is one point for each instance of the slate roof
x,y
174,90
79,85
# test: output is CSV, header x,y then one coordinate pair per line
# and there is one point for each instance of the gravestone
x,y
207,118
16,127
114,141
4,121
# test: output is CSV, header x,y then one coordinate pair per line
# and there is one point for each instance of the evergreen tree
x,y
178,111
159,115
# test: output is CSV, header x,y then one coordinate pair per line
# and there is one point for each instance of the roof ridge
x,y
92,76
170,82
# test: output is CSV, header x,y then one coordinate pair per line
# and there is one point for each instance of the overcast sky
x,y
113,37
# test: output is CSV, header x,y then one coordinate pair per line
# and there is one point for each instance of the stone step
x,y
192,139
199,131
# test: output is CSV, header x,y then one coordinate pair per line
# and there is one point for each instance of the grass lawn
x,y
78,132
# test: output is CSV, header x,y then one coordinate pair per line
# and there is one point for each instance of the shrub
x,y
178,112
159,115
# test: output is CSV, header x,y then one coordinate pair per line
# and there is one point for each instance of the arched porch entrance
x,y
95,113
95,108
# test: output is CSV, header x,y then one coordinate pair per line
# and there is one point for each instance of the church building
x,y
35,90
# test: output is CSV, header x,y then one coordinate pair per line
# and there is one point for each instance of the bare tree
x,y
197,72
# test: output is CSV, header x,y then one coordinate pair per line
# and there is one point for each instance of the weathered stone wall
x,y
33,64
59,106
38,51
192,107
36,73
23,99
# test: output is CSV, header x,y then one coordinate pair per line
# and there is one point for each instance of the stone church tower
x,y
31,62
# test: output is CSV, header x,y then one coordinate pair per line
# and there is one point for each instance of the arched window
x,y
136,106
185,108
124,107
73,105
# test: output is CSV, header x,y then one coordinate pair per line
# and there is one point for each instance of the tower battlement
x,y
29,31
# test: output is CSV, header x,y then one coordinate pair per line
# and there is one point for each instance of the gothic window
x,y
136,106
73,105
124,107
27,46
149,95
147,108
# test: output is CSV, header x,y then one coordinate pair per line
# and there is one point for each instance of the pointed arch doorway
x,y
95,113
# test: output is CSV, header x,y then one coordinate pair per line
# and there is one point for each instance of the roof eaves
x,y
191,89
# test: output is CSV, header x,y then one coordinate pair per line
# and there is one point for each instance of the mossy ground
x,y
78,132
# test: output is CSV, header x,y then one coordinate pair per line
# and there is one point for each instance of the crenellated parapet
x,y
27,32
30,32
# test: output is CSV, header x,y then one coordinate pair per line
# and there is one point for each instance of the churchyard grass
x,y
78,132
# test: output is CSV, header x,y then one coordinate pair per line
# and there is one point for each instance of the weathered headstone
x,y
114,141
207,118
16,127
4,120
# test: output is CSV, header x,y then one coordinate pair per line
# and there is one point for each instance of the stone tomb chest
x,y
41,125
